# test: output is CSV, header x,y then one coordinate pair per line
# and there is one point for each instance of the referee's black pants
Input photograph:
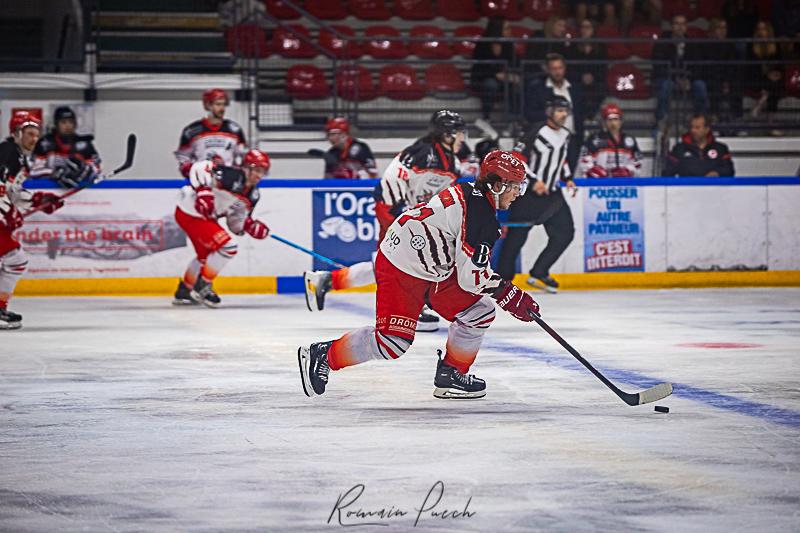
x,y
550,210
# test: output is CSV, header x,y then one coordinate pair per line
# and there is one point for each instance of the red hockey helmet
x,y
256,158
337,125
611,111
214,94
504,165
23,119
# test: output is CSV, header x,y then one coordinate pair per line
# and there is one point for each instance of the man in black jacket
x,y
699,154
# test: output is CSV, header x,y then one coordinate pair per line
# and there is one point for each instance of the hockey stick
x,y
306,250
653,394
131,149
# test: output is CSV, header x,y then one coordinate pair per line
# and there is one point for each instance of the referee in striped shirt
x,y
544,148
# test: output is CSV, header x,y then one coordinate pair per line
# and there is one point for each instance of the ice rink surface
x,y
128,414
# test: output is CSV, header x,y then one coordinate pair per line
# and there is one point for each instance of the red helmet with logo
x,y
214,94
337,124
611,111
504,165
256,158
23,119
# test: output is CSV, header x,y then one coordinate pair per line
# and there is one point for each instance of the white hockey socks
x,y
12,266
364,344
466,334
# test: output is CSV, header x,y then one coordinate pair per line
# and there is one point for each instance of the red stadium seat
x,y
370,10
466,48
444,78
246,40
541,10
708,9
458,10
678,7
327,9
414,9
306,82
520,32
614,50
342,49
644,50
381,48
355,83
627,82
792,80
288,44
507,9
400,83
279,10
433,47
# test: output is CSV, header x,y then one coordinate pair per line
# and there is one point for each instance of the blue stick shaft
x,y
306,250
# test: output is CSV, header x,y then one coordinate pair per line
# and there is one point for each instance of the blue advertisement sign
x,y
613,229
344,226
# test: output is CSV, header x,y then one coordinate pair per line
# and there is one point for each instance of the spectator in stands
x,y
673,48
591,77
699,154
609,16
611,152
555,83
723,78
347,158
554,28
586,9
488,79
765,75
786,18
741,16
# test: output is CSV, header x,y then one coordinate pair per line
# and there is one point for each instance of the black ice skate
x,y
314,369
318,284
453,385
183,295
427,322
203,293
543,283
9,320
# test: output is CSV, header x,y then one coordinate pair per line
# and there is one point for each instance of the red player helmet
x,y
504,165
256,158
23,119
214,94
337,125
611,111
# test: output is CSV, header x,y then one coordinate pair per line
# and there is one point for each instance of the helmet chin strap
x,y
498,194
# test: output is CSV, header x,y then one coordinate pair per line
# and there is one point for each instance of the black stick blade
x,y
130,152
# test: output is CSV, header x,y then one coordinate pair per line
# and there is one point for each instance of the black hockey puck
x,y
662,409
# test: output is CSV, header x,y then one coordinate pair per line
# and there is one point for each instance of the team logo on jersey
x,y
80,145
418,242
712,154
629,142
354,149
482,255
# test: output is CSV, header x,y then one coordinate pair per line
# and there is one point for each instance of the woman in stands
x,y
487,78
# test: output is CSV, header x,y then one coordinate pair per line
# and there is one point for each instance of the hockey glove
x,y
256,228
516,302
50,201
185,168
204,204
11,218
596,172
72,172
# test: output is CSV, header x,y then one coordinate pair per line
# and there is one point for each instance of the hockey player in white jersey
x,y
440,253
414,176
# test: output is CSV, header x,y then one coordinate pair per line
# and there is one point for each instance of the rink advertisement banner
x,y
344,226
613,229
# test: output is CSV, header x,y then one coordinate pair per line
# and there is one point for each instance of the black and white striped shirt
x,y
545,151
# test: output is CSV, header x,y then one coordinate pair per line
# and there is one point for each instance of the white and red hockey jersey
x,y
13,173
233,200
602,155
418,173
455,231
203,141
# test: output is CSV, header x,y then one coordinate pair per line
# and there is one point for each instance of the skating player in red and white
x,y
213,137
610,153
439,252
217,192
416,174
63,155
347,158
14,200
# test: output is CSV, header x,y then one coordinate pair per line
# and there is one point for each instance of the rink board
x,y
121,237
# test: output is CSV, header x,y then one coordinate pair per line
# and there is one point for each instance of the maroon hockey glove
x,y
185,168
516,301
12,218
256,228
204,204
596,172
50,201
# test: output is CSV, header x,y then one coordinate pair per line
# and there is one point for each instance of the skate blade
x,y
179,301
10,325
303,359
311,293
444,393
538,285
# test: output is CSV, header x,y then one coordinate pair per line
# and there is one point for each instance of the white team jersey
x,y
454,231
227,204
200,141
413,177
